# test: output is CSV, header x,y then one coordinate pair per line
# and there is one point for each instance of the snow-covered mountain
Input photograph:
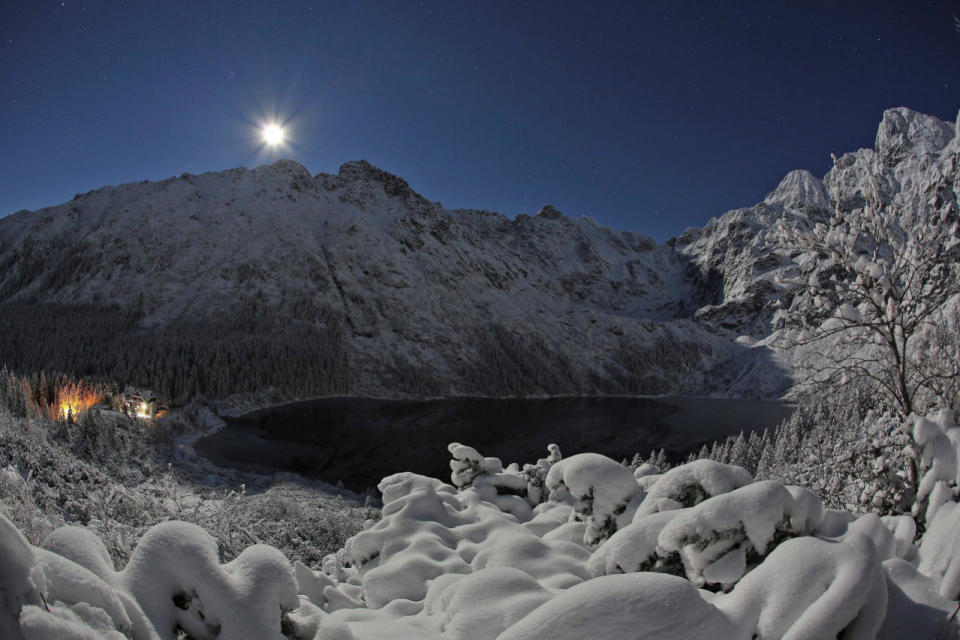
x,y
460,297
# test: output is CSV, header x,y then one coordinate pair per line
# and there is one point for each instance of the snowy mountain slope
x,y
430,300
745,262
414,287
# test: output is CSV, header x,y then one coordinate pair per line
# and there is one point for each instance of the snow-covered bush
x,y
635,547
938,437
508,489
448,562
939,551
719,539
45,483
536,475
716,541
601,488
690,484
811,589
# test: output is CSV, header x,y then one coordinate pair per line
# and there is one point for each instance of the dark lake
x,y
358,441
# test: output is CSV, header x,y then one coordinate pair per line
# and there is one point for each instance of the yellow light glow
x,y
75,398
273,134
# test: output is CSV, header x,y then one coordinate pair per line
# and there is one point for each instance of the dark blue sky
x,y
650,116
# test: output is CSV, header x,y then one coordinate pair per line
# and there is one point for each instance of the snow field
x,y
564,548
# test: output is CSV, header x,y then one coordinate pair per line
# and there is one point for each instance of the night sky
x,y
650,116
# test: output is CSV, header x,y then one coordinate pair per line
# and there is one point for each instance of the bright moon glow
x,y
272,134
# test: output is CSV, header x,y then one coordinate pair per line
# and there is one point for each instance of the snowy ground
x,y
562,548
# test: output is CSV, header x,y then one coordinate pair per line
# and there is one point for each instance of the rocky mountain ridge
x,y
426,300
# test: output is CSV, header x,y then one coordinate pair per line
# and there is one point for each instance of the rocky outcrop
x,y
744,265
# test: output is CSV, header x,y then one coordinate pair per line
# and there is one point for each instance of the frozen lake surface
x,y
358,441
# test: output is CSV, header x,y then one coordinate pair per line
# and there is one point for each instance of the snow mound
x,y
636,605
810,589
485,603
940,551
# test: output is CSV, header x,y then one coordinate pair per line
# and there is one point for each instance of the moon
x,y
273,134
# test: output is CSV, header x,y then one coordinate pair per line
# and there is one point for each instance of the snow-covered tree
x,y
876,297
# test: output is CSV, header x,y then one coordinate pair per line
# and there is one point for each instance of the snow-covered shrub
x,y
601,489
18,503
428,529
487,477
691,484
939,551
175,576
716,541
173,584
536,475
719,539
513,490
811,589
21,581
467,464
635,547
892,536
938,438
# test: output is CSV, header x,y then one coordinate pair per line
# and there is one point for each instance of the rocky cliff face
x,y
744,263
455,299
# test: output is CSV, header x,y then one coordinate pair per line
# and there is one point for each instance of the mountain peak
x,y
905,132
290,167
363,171
799,189
549,212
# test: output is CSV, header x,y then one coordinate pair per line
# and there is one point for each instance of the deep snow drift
x,y
562,548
